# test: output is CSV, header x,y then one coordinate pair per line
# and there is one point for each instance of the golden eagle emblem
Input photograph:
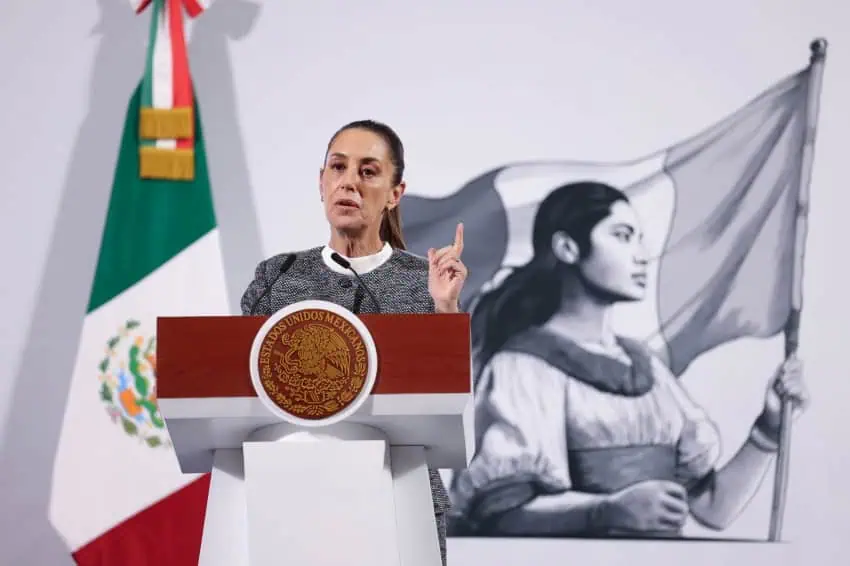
x,y
316,364
317,359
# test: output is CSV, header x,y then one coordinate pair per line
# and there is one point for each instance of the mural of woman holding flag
x,y
579,431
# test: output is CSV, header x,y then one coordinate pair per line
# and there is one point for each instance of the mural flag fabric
x,y
718,211
118,495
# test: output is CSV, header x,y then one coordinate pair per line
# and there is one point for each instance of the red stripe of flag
x,y
168,533
181,83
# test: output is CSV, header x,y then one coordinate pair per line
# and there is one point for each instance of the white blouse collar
x,y
361,265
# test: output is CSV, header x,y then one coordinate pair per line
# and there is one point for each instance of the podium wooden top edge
x,y
208,356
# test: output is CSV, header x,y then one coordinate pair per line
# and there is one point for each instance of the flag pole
x,y
792,327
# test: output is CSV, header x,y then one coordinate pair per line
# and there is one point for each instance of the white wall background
x,y
469,85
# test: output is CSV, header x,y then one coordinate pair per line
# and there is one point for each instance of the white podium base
x,y
320,497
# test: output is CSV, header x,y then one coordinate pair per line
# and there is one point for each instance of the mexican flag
x,y
118,495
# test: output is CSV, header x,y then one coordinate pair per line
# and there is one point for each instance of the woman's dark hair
x,y
531,294
390,230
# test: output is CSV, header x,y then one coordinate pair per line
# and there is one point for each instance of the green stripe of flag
x,y
148,221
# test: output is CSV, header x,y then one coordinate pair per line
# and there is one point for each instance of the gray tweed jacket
x,y
400,284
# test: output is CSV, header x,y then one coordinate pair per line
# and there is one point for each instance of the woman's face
x,y
356,182
617,265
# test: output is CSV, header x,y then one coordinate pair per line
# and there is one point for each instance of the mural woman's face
x,y
617,263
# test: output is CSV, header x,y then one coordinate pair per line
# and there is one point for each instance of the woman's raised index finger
x,y
459,238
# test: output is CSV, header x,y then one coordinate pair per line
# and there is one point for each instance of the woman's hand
x,y
446,274
653,506
787,385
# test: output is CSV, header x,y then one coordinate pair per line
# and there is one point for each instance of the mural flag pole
x,y
792,327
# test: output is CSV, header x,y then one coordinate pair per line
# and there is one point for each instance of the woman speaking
x,y
361,184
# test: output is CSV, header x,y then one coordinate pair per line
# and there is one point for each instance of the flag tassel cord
x,y
792,327
166,120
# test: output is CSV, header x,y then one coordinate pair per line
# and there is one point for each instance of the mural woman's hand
x,y
650,506
787,384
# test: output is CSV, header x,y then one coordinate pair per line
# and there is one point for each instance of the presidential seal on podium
x,y
313,363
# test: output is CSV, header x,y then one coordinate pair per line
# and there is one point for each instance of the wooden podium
x,y
352,493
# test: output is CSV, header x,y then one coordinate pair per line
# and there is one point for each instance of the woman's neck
x,y
583,319
349,246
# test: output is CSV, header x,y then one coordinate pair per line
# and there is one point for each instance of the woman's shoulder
x,y
523,374
409,261
509,361
275,263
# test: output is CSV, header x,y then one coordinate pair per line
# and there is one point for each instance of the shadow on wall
x,y
212,74
41,384
42,381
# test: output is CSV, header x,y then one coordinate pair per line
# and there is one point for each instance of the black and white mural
x,y
594,287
